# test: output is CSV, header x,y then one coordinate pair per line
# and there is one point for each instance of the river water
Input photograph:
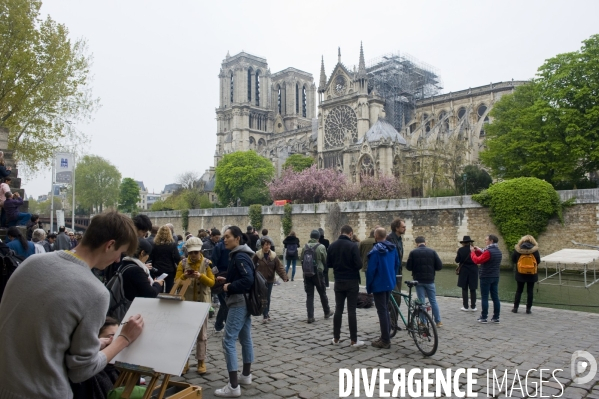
x,y
564,296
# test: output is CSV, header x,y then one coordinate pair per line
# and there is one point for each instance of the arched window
x,y
250,84
461,113
279,98
481,110
296,98
257,86
251,121
232,86
366,166
304,102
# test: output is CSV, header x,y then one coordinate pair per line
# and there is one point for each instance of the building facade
x,y
369,119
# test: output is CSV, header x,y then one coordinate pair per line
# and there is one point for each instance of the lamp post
x,y
465,177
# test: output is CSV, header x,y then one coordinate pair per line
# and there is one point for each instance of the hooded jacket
x,y
240,273
270,266
526,245
383,261
321,254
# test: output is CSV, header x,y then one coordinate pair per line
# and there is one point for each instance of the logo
x,y
64,162
578,367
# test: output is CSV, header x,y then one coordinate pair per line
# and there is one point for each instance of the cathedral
x,y
366,119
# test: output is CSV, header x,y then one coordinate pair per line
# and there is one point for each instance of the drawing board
x,y
170,331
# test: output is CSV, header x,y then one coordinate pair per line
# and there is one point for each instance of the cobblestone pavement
x,y
296,359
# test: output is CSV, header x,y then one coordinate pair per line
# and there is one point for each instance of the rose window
x,y
340,123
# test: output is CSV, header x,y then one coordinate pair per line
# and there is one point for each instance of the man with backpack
x,y
49,335
314,258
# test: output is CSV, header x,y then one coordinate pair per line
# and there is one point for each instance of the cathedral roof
x,y
383,130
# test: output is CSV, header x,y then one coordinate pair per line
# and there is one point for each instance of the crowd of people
x,y
74,347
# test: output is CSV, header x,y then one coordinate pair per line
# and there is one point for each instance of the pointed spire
x,y
362,64
228,55
323,76
339,54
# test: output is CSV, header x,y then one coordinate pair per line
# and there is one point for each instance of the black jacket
x,y
324,242
165,258
241,270
343,256
208,248
290,240
136,283
423,262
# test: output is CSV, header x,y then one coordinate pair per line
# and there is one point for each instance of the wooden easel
x,y
130,373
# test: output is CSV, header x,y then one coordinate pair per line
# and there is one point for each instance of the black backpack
x,y
309,261
257,299
292,250
9,261
119,304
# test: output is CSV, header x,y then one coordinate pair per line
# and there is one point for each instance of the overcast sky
x,y
156,62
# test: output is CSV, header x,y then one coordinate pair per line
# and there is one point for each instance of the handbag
x,y
457,270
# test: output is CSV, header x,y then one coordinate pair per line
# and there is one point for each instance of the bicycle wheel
x,y
393,316
424,332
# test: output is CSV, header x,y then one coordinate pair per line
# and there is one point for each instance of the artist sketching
x,y
52,310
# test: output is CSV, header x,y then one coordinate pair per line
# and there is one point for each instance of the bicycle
x,y
420,325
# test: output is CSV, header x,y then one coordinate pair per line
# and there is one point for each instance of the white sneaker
x,y
333,342
465,309
244,379
473,310
228,392
357,343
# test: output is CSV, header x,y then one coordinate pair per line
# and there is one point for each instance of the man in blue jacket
x,y
383,261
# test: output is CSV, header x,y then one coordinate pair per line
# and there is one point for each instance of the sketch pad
x,y
169,333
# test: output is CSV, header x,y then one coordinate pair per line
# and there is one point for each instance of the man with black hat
x,y
317,280
468,274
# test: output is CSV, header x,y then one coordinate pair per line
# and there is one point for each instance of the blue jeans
x,y
223,310
267,308
429,291
239,325
489,284
21,220
291,262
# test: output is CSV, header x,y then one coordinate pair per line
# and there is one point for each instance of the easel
x,y
130,373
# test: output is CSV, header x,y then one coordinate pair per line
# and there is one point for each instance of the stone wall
x,y
443,221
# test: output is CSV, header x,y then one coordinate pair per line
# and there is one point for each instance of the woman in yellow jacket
x,y
198,268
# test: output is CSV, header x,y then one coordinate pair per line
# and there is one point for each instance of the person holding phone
x,y
137,281
198,268
467,274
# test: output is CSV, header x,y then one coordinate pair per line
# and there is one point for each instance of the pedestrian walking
x,y
291,244
269,265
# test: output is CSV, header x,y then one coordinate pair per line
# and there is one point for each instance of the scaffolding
x,y
401,80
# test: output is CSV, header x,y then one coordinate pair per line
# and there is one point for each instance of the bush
x,y
287,224
255,215
521,206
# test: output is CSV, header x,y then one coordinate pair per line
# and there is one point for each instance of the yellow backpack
x,y
527,264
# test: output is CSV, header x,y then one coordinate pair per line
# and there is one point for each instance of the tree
x,y
238,171
549,128
477,179
128,195
45,207
376,188
188,179
298,162
97,183
309,186
44,83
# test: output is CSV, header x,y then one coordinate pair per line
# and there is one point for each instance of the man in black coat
x,y
423,262
343,256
